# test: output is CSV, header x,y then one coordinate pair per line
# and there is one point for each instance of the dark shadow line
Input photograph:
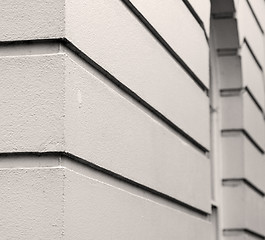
x,y
194,13
120,85
112,174
167,47
246,182
244,230
254,15
230,92
253,54
133,95
246,134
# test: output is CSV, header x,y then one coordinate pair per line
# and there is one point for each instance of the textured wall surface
x,y
106,124
31,202
132,119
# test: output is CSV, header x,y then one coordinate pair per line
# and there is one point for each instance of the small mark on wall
x,y
79,98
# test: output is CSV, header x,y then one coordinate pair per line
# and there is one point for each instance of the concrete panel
x,y
31,103
96,124
112,36
222,7
175,23
230,73
240,112
248,28
149,70
107,129
242,71
233,155
243,208
38,19
232,112
254,165
253,120
31,203
202,8
252,75
242,160
258,7
97,210
226,34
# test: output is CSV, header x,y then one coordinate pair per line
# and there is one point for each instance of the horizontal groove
x,y
254,99
253,54
229,131
243,230
36,48
195,15
231,92
227,52
164,43
188,208
254,15
238,91
246,182
223,15
121,86
197,18
138,185
134,95
32,41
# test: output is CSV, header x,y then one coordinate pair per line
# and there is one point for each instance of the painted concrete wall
x,y
239,77
106,130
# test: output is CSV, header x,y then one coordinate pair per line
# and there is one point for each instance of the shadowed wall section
x,y
238,96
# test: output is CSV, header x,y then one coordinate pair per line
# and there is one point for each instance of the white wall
x,y
121,87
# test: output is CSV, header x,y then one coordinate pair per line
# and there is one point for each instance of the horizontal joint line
x,y
117,176
254,15
244,230
120,85
194,13
246,182
227,52
225,131
238,91
253,54
223,15
168,48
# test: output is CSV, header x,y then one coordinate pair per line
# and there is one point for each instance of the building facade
x,y
140,119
